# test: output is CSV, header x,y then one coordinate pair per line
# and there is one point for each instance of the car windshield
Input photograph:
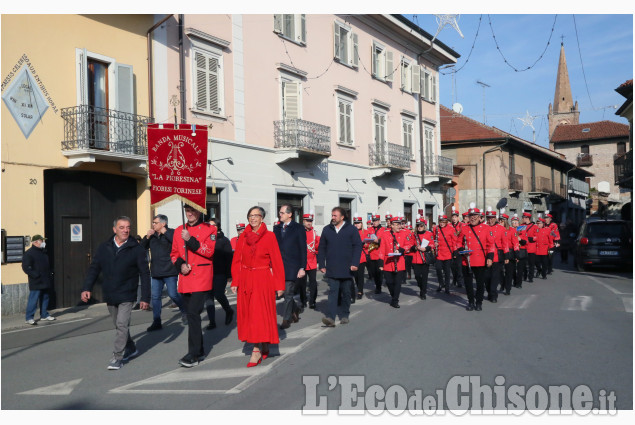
x,y
606,230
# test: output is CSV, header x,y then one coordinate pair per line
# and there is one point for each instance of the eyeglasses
x,y
254,216
156,222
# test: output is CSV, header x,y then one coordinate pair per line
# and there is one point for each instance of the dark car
x,y
604,243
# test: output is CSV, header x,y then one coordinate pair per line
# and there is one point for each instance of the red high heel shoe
x,y
265,354
252,364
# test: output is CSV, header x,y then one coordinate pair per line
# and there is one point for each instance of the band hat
x,y
357,218
515,217
240,226
443,217
505,216
421,220
465,214
473,210
454,211
395,219
38,238
388,215
376,217
527,214
308,217
489,213
369,222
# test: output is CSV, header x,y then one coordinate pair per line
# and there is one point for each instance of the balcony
x,y
92,133
543,185
562,192
393,158
437,165
295,138
515,182
624,169
578,187
584,160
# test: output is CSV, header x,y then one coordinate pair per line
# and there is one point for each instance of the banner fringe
x,y
176,197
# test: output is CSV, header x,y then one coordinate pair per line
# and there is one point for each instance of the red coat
x,y
388,245
312,242
479,253
500,241
544,241
200,278
374,254
556,232
418,256
363,234
529,231
446,240
457,230
233,242
258,273
512,240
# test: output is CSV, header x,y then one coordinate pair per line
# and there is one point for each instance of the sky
x,y
601,50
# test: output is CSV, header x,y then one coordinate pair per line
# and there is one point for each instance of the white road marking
x,y
628,304
610,288
578,303
64,388
520,302
311,333
57,323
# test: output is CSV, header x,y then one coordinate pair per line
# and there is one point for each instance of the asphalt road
x,y
573,329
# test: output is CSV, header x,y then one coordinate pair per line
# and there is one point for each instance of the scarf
x,y
252,237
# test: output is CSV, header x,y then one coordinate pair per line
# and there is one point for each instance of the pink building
x,y
314,110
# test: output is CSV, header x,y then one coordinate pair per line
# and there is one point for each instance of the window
x,y
410,76
292,27
429,140
345,121
429,86
621,147
584,149
347,204
208,81
345,45
379,133
407,133
382,63
291,99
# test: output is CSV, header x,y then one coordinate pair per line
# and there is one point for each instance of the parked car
x,y
604,243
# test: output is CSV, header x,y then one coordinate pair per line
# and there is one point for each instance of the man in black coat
x,y
222,266
338,258
121,261
35,263
159,241
292,242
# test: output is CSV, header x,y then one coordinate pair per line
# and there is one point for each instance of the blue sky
x,y
605,44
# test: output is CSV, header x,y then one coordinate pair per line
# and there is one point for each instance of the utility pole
x,y
482,84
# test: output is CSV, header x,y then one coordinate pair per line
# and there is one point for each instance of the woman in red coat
x,y
544,242
257,277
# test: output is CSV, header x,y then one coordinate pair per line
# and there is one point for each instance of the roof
x,y
626,88
596,131
425,34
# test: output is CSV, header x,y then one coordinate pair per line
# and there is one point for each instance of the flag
x,y
177,163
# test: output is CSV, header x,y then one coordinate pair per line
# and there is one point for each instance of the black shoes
x,y
422,295
395,305
439,289
229,316
378,291
285,324
359,295
479,307
188,361
506,292
155,326
210,326
312,306
447,291
470,307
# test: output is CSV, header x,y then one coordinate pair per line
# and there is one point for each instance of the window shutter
x,y
403,74
349,126
374,60
213,84
303,29
355,50
342,122
336,40
433,94
82,76
201,83
277,23
288,26
291,100
389,66
426,85
125,96
416,79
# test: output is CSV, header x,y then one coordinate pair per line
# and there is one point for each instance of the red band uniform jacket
x,y
419,257
531,231
544,241
500,242
443,234
312,243
479,254
400,243
200,249
374,254
512,242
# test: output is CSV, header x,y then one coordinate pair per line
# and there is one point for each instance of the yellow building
x,y
75,106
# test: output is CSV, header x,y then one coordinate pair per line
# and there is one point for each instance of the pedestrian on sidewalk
x,y
122,262
158,241
35,263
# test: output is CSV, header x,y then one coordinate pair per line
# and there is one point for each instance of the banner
x,y
177,163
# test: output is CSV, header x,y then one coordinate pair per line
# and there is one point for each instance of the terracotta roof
x,y
456,127
626,88
596,130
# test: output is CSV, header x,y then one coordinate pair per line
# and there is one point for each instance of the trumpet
x,y
372,246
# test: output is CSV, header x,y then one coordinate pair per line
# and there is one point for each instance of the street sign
x,y
76,233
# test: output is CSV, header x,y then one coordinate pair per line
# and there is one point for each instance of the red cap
x,y
376,217
474,211
548,215
369,222
357,220
394,219
307,217
240,226
421,220
542,219
465,214
527,214
443,217
455,212
389,217
490,214
505,216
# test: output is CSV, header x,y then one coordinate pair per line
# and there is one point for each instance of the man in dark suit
x,y
292,242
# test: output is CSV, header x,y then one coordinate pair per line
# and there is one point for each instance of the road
x,y
573,329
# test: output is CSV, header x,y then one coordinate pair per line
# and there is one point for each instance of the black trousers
x,y
550,263
518,274
510,272
394,280
193,303
311,275
375,273
479,275
543,260
531,264
301,288
493,279
457,271
421,276
564,254
219,284
443,268
408,259
359,279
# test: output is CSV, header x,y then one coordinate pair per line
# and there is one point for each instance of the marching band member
x,y
239,229
521,254
420,248
529,234
480,243
446,243
457,270
359,275
312,242
373,249
391,250
544,242
556,237
493,277
407,227
512,243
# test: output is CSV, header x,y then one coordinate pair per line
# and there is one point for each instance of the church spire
x,y
562,101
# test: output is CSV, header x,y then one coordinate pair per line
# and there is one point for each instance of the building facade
x,y
75,106
498,166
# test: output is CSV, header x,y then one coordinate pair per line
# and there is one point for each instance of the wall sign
x,y
76,233
25,101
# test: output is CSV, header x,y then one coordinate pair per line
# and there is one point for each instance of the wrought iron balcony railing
x,y
516,182
584,160
438,165
303,135
623,164
90,127
389,155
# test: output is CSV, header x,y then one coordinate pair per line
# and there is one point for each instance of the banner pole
x,y
184,226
